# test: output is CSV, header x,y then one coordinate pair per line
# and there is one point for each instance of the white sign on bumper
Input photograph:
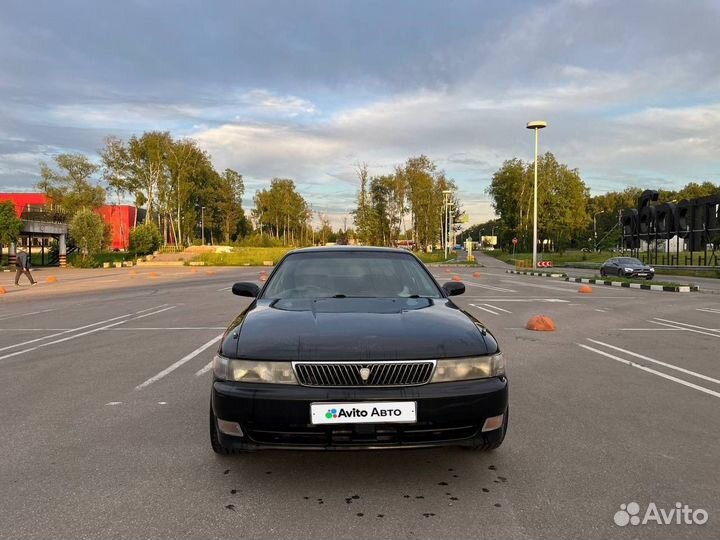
x,y
363,413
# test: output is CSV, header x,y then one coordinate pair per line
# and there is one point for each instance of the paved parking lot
x,y
104,399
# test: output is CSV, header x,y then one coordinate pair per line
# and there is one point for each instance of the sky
x,y
310,89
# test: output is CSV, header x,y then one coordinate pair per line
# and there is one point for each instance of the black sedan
x,y
356,348
626,267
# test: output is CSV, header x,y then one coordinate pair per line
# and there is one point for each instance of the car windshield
x,y
629,260
373,274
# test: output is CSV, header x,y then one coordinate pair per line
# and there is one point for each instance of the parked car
x,y
626,267
351,348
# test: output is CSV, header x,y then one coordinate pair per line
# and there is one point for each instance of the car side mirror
x,y
453,288
246,289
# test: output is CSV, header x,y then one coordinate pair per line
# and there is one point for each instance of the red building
x,y
25,201
120,217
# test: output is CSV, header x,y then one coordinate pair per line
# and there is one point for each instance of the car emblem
x,y
364,374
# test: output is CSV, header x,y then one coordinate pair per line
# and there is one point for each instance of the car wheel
x,y
492,439
621,273
215,442
602,272
649,277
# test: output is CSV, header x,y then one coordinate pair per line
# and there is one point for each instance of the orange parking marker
x,y
476,274
210,273
153,275
585,289
541,323
133,272
52,279
456,278
2,291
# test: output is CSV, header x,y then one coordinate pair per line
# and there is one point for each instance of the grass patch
x,y
96,261
244,256
434,257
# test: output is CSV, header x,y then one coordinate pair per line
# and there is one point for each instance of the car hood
x,y
356,329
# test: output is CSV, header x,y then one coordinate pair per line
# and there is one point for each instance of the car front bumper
x,y
277,416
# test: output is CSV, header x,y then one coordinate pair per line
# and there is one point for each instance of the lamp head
x,y
537,124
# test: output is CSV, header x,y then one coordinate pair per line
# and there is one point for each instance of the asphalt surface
x,y
104,402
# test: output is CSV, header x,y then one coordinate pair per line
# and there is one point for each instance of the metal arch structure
x,y
695,222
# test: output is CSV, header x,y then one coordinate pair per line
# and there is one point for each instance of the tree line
x,y
407,204
568,216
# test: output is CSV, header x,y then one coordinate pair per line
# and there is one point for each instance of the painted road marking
x,y
19,315
207,367
654,372
71,330
498,308
517,282
709,310
664,364
179,363
490,287
74,336
687,327
484,309
550,300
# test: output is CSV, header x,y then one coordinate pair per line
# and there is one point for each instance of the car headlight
x,y
252,371
652,269
462,369
628,269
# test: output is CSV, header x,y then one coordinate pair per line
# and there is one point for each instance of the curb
x,y
541,274
663,288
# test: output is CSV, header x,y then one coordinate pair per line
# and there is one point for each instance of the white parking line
x,y
74,336
708,310
654,372
498,308
179,363
66,331
537,285
664,364
490,287
203,370
19,315
484,309
687,327
534,299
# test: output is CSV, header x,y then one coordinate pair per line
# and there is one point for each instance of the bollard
x,y
541,323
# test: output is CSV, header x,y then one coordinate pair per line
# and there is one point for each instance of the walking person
x,y
22,264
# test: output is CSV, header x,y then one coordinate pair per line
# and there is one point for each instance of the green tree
x,y
145,238
562,202
71,185
87,229
10,225
282,212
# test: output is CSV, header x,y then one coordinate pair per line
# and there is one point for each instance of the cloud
x,y
310,90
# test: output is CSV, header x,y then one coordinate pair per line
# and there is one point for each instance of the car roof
x,y
326,249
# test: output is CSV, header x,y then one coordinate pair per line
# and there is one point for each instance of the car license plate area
x,y
373,412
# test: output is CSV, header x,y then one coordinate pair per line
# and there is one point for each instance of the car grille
x,y
409,373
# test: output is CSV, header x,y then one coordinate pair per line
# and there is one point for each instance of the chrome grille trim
x,y
346,374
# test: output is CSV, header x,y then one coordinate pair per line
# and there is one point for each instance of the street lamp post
x,y
451,233
535,125
595,215
202,223
444,221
